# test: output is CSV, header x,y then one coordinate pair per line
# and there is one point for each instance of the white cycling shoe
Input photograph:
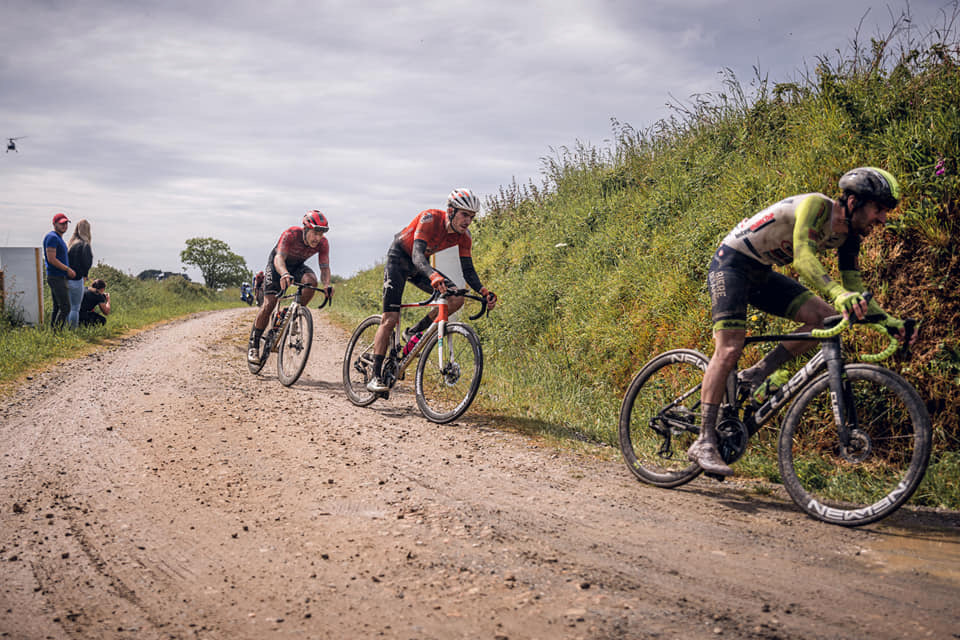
x,y
376,385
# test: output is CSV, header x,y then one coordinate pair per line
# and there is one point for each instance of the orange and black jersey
x,y
431,227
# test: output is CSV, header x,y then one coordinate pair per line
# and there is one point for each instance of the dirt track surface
x,y
159,490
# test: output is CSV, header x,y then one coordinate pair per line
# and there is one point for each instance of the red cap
x,y
60,217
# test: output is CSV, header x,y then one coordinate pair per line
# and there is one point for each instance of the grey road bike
x,y
853,446
449,361
289,334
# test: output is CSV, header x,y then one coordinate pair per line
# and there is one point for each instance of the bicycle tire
x,y
884,463
295,346
654,450
445,391
358,362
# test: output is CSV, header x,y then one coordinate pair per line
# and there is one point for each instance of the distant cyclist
x,y
258,287
792,231
286,264
431,231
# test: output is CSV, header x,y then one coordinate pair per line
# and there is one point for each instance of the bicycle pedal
x,y
715,476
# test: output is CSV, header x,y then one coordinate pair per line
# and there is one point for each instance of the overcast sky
x,y
160,121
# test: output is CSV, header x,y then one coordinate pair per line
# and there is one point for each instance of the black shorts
x,y
271,278
398,269
735,280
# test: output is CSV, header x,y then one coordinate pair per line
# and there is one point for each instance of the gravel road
x,y
157,489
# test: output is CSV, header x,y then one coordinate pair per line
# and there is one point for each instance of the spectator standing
x,y
58,269
80,259
95,297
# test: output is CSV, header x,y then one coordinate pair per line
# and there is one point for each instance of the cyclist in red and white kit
x,y
431,231
792,231
286,264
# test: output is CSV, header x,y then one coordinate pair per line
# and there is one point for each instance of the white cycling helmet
x,y
463,199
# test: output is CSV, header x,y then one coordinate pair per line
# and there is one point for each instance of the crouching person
x,y
95,298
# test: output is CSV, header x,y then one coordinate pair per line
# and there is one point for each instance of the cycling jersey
x,y
431,227
296,251
404,263
793,231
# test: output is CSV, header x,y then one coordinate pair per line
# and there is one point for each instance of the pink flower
x,y
941,168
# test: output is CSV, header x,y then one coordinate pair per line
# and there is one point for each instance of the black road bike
x,y
853,446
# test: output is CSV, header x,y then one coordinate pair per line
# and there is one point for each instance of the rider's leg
x,y
259,324
729,345
388,321
310,278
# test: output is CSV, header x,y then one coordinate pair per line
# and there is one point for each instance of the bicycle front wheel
x,y
447,379
878,470
358,362
295,346
660,418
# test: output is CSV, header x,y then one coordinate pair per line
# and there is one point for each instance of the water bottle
x,y
411,343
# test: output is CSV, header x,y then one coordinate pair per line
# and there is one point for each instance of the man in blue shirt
x,y
58,269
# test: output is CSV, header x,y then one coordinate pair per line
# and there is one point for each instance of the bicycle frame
x,y
285,313
829,358
439,301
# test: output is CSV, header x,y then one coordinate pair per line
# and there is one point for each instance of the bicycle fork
x,y
841,393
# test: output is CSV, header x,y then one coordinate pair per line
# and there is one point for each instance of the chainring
x,y
733,439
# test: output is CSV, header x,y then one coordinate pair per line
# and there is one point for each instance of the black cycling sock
x,y
255,336
770,363
377,365
421,326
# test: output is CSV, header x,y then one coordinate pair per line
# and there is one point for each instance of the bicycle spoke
x,y
294,349
445,388
358,362
660,418
882,463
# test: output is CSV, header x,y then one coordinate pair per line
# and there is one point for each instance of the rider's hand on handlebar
x,y
851,301
285,281
438,282
329,292
491,298
898,328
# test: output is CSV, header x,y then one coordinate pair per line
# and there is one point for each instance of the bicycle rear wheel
x,y
883,464
358,362
295,346
660,418
445,389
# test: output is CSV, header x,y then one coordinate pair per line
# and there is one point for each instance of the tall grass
x,y
135,304
602,265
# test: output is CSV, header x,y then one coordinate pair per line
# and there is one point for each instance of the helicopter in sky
x,y
12,143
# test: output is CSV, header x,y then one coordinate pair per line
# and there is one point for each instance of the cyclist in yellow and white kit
x,y
792,231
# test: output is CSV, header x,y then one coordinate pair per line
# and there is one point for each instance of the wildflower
x,y
941,168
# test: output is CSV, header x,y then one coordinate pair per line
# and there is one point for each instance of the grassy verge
x,y
136,305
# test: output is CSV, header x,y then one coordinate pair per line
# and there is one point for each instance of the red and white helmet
x,y
315,220
463,199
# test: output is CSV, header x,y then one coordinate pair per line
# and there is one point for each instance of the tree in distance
x,y
220,266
